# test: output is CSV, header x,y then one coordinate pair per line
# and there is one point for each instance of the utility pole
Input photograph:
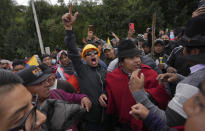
x,y
37,28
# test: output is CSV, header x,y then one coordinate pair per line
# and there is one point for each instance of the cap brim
x,y
197,59
40,79
106,49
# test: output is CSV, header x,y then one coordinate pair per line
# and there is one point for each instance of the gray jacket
x,y
174,115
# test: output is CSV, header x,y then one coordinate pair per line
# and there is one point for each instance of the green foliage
x,y
18,37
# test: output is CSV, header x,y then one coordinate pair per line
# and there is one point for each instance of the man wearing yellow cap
x,y
91,76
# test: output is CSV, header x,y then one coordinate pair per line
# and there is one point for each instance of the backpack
x,y
60,114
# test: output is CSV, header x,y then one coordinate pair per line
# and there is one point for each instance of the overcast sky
x,y
25,2
53,2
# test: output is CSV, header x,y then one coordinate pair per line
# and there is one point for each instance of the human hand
x,y
96,38
139,111
116,37
103,100
161,66
171,70
167,77
198,12
69,18
131,32
113,34
136,82
86,103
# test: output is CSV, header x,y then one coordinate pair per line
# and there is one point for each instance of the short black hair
x,y
45,68
8,79
141,40
18,62
96,43
146,44
158,41
121,59
44,56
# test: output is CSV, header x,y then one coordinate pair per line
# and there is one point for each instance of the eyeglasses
x,y
28,118
90,53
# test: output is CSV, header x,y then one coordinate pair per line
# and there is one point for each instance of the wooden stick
x,y
153,32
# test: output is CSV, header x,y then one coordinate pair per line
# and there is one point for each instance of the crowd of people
x,y
130,84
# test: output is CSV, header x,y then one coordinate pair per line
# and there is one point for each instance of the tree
x,y
18,37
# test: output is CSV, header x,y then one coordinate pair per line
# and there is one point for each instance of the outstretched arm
x,y
136,85
70,40
116,37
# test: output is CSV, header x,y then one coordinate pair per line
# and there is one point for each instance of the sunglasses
x,y
31,114
90,53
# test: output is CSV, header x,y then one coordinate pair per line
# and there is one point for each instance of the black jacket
x,y
66,86
169,47
91,80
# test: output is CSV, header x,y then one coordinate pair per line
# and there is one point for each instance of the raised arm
x,y
136,85
70,40
116,37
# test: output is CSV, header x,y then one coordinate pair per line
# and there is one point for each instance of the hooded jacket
x,y
174,60
120,98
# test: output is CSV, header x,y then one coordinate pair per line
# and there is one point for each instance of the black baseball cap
x,y
159,41
32,75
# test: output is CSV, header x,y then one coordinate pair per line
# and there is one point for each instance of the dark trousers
x,y
92,127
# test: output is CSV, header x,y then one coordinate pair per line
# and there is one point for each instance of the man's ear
x,y
85,59
195,51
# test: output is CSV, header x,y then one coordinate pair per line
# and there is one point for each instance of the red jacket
x,y
120,98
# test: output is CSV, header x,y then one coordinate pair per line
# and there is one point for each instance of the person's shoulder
x,y
146,58
115,73
114,62
143,66
113,65
165,56
177,48
148,70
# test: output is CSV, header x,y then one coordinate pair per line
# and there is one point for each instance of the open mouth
x,y
137,66
93,61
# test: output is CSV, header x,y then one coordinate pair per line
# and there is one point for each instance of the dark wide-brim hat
x,y
127,48
195,26
196,41
32,75
196,59
194,34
